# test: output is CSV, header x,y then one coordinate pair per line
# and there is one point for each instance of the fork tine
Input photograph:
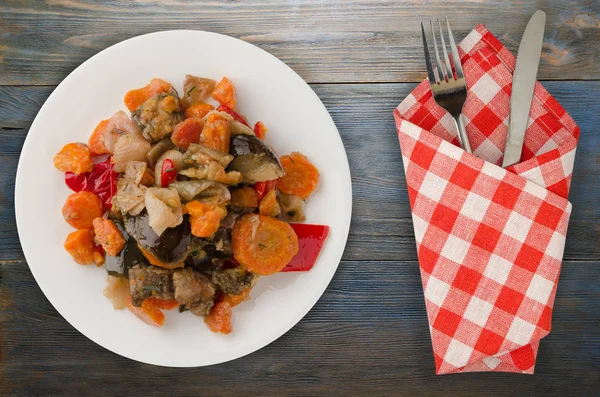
x,y
441,71
446,59
455,56
433,77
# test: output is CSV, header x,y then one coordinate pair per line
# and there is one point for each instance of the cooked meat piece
x,y
157,117
196,89
193,290
149,282
202,308
233,281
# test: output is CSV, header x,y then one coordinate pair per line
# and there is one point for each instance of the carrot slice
x,y
301,176
205,219
215,133
224,93
186,132
244,197
80,245
198,110
164,304
262,244
219,318
109,236
148,312
96,141
134,98
81,209
74,157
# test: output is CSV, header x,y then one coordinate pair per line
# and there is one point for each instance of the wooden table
x,y
368,334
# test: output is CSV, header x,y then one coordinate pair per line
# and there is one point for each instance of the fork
x,y
449,90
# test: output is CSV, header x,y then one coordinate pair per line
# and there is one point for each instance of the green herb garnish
x,y
151,288
261,246
190,91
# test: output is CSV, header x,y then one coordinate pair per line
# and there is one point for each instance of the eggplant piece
x,y
171,247
254,159
157,117
158,149
207,192
292,208
129,256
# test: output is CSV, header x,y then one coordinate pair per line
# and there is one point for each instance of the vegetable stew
x,y
184,203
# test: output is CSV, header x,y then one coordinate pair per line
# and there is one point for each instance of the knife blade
x,y
523,84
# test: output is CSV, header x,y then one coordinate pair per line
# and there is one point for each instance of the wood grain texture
x,y
324,41
367,336
363,115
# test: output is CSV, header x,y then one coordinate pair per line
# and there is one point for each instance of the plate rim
x,y
277,331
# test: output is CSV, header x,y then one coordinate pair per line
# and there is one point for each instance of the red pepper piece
x,y
102,181
263,188
233,113
310,242
168,173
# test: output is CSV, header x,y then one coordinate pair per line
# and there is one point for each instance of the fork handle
x,y
462,134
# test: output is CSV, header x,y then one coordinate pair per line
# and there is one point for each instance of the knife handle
x,y
462,134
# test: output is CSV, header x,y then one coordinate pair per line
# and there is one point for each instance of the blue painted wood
x,y
363,114
368,334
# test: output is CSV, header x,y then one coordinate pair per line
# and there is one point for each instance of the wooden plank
x,y
363,114
324,41
367,335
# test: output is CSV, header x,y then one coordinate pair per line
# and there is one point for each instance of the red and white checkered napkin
x,y
490,240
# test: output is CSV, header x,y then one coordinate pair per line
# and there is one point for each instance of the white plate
x,y
267,90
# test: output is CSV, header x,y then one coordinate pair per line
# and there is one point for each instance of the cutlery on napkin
x,y
524,79
490,240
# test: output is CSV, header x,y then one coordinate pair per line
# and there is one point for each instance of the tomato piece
x,y
198,110
260,130
98,255
148,312
263,187
186,132
102,181
168,173
80,244
81,209
310,241
233,113
135,98
216,133
224,93
96,141
109,236
74,157
219,318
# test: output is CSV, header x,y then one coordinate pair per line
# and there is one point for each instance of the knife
x,y
523,84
